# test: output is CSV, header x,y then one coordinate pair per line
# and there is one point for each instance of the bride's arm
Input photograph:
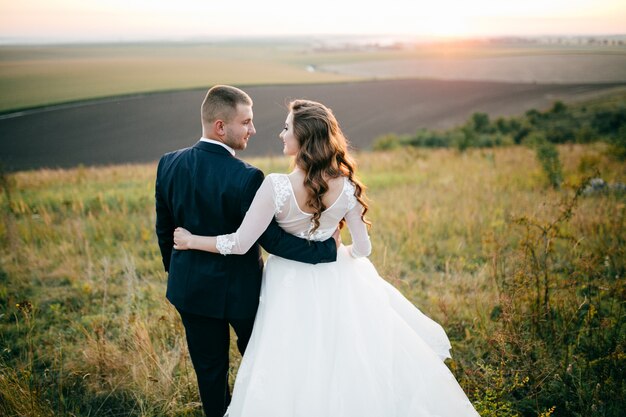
x,y
257,217
361,245
185,240
256,220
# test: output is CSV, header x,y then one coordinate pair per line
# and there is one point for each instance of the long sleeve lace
x,y
256,220
361,245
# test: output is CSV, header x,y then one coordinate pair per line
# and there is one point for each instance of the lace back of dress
x,y
297,222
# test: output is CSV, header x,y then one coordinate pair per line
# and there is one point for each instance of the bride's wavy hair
x,y
323,154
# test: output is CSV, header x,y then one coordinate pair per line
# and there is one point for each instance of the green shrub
x,y
602,120
618,144
480,123
558,107
431,139
548,156
561,131
508,126
610,120
387,142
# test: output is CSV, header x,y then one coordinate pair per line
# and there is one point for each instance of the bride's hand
x,y
182,239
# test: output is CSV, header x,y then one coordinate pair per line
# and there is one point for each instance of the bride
x,y
330,340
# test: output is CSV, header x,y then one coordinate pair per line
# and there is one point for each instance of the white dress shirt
x,y
217,142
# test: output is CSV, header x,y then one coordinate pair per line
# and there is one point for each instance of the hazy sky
x,y
179,19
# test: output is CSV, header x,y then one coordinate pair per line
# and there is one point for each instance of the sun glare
x,y
445,26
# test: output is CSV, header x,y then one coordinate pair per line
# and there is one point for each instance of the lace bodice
x,y
276,198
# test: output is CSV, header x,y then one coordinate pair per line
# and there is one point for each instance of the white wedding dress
x,y
335,339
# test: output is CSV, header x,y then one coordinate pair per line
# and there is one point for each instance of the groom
x,y
207,190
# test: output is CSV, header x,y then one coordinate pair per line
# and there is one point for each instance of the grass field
x,y
41,75
33,76
86,331
527,280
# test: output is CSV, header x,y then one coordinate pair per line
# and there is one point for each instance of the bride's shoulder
x,y
279,182
348,185
278,186
349,190
276,177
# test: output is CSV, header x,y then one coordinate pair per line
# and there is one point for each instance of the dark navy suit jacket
x,y
208,191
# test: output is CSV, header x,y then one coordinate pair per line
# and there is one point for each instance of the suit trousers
x,y
208,340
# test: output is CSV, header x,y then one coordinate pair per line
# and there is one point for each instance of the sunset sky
x,y
86,20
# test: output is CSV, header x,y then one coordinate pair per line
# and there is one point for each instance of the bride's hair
x,y
323,154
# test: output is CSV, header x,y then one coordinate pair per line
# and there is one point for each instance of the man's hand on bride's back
x,y
182,239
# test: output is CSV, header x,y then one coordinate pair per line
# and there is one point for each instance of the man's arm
x,y
259,215
275,240
164,221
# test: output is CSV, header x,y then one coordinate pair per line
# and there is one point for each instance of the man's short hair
x,y
221,103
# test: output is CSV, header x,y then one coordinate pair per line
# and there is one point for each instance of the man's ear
x,y
219,126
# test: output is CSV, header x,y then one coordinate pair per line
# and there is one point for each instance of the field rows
x,y
42,75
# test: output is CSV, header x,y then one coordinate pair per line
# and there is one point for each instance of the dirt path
x,y
141,128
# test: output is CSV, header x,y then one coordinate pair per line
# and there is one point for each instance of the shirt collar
x,y
217,142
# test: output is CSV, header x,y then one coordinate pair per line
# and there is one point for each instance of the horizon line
x,y
397,38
